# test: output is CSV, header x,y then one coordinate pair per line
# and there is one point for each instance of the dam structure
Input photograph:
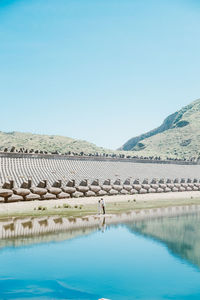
x,y
31,176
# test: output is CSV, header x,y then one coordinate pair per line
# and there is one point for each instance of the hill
x,y
177,137
49,143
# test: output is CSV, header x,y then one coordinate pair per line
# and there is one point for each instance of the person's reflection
x,y
102,224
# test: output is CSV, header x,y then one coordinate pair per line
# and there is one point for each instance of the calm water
x,y
154,259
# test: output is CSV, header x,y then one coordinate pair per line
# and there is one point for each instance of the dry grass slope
x,y
179,139
49,143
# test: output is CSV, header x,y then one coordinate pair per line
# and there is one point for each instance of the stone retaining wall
x,y
21,167
60,190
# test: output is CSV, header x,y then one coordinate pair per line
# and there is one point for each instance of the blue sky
x,y
99,70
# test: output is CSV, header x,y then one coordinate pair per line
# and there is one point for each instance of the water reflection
x,y
177,227
180,234
118,258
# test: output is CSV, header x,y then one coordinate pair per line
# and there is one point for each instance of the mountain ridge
x,y
182,126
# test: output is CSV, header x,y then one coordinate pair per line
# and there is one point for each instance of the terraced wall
x,y
20,167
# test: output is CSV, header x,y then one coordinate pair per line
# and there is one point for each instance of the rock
x,y
77,194
90,194
161,181
113,192
127,182
26,184
71,183
127,187
84,182
162,185
195,188
155,186
32,197
21,192
136,181
181,189
133,192
170,185
6,185
185,185
124,192
145,181
94,188
82,189
146,186
176,180
38,191
174,189
137,187
189,180
95,182
117,182
167,190
5,193
69,190
57,184
117,187
154,181
101,193
160,190
106,188
15,198
189,189
168,181
177,185
48,196
54,190
142,191
63,195
151,190
42,184
191,185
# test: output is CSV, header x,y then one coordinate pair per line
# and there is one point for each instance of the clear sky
x,y
99,70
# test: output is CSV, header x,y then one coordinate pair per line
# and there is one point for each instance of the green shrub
x,y
182,123
66,206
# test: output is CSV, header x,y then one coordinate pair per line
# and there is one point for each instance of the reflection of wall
x,y
46,238
37,229
181,234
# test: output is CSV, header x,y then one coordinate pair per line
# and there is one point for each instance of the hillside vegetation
x,y
49,143
177,137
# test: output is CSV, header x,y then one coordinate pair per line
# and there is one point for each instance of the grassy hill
x,y
49,143
177,137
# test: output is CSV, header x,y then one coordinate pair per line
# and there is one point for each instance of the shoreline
x,y
54,228
76,207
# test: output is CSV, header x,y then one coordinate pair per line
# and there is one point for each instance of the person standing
x,y
99,207
103,206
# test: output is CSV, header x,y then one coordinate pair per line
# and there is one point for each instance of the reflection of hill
x,y
180,234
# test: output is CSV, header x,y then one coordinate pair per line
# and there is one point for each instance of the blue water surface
x,y
120,263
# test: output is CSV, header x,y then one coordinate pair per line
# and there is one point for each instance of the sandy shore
x,y
142,200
